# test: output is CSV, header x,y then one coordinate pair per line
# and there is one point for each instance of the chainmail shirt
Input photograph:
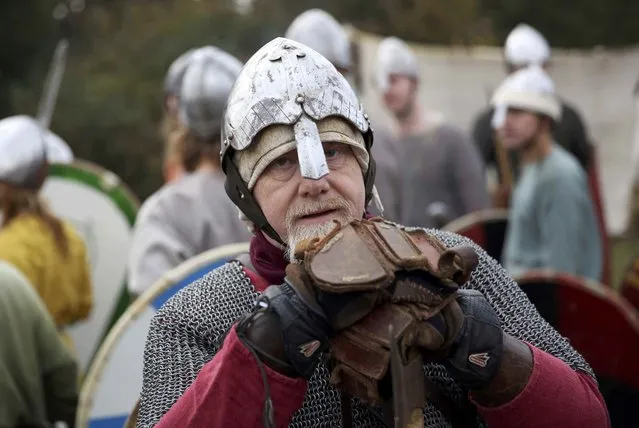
x,y
188,330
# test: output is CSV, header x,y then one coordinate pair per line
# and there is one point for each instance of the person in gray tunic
x,y
552,221
441,173
193,213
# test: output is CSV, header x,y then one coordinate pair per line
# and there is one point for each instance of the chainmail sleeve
x,y
186,333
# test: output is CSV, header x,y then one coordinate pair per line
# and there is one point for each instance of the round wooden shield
x,y
114,381
601,325
630,283
487,228
103,211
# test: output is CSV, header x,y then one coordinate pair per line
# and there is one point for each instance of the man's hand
x,y
476,351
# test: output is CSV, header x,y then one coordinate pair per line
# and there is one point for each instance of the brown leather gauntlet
x,y
401,279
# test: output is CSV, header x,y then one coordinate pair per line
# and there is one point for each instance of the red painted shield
x,y
601,325
487,228
630,283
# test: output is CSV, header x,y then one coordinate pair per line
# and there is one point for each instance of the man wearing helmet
x,y
526,46
552,219
439,171
296,153
163,237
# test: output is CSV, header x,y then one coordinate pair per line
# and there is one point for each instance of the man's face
x,y
400,94
299,208
520,129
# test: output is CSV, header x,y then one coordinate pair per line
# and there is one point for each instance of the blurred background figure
x,y
552,219
436,163
526,46
47,250
172,168
191,214
38,376
320,31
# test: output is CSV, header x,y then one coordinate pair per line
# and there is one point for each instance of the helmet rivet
x,y
230,137
365,116
226,142
301,54
241,195
299,99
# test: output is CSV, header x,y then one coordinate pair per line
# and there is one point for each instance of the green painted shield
x,y
103,210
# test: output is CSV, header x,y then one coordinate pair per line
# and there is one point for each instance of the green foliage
x,y
568,23
26,32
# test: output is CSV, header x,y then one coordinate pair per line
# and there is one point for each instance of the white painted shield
x,y
114,381
103,211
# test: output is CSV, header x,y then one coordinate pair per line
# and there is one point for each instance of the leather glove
x,y
474,356
287,329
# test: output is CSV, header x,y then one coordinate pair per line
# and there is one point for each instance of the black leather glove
x,y
287,330
477,349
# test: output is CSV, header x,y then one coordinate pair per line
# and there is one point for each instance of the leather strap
x,y
347,410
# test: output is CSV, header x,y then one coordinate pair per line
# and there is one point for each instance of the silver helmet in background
x,y
23,152
205,87
394,57
321,32
526,46
173,78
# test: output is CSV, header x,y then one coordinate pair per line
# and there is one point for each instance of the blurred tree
x,y
110,103
426,21
567,23
27,37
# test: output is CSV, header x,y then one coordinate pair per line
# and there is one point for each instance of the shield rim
x,y
92,174
106,348
464,222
